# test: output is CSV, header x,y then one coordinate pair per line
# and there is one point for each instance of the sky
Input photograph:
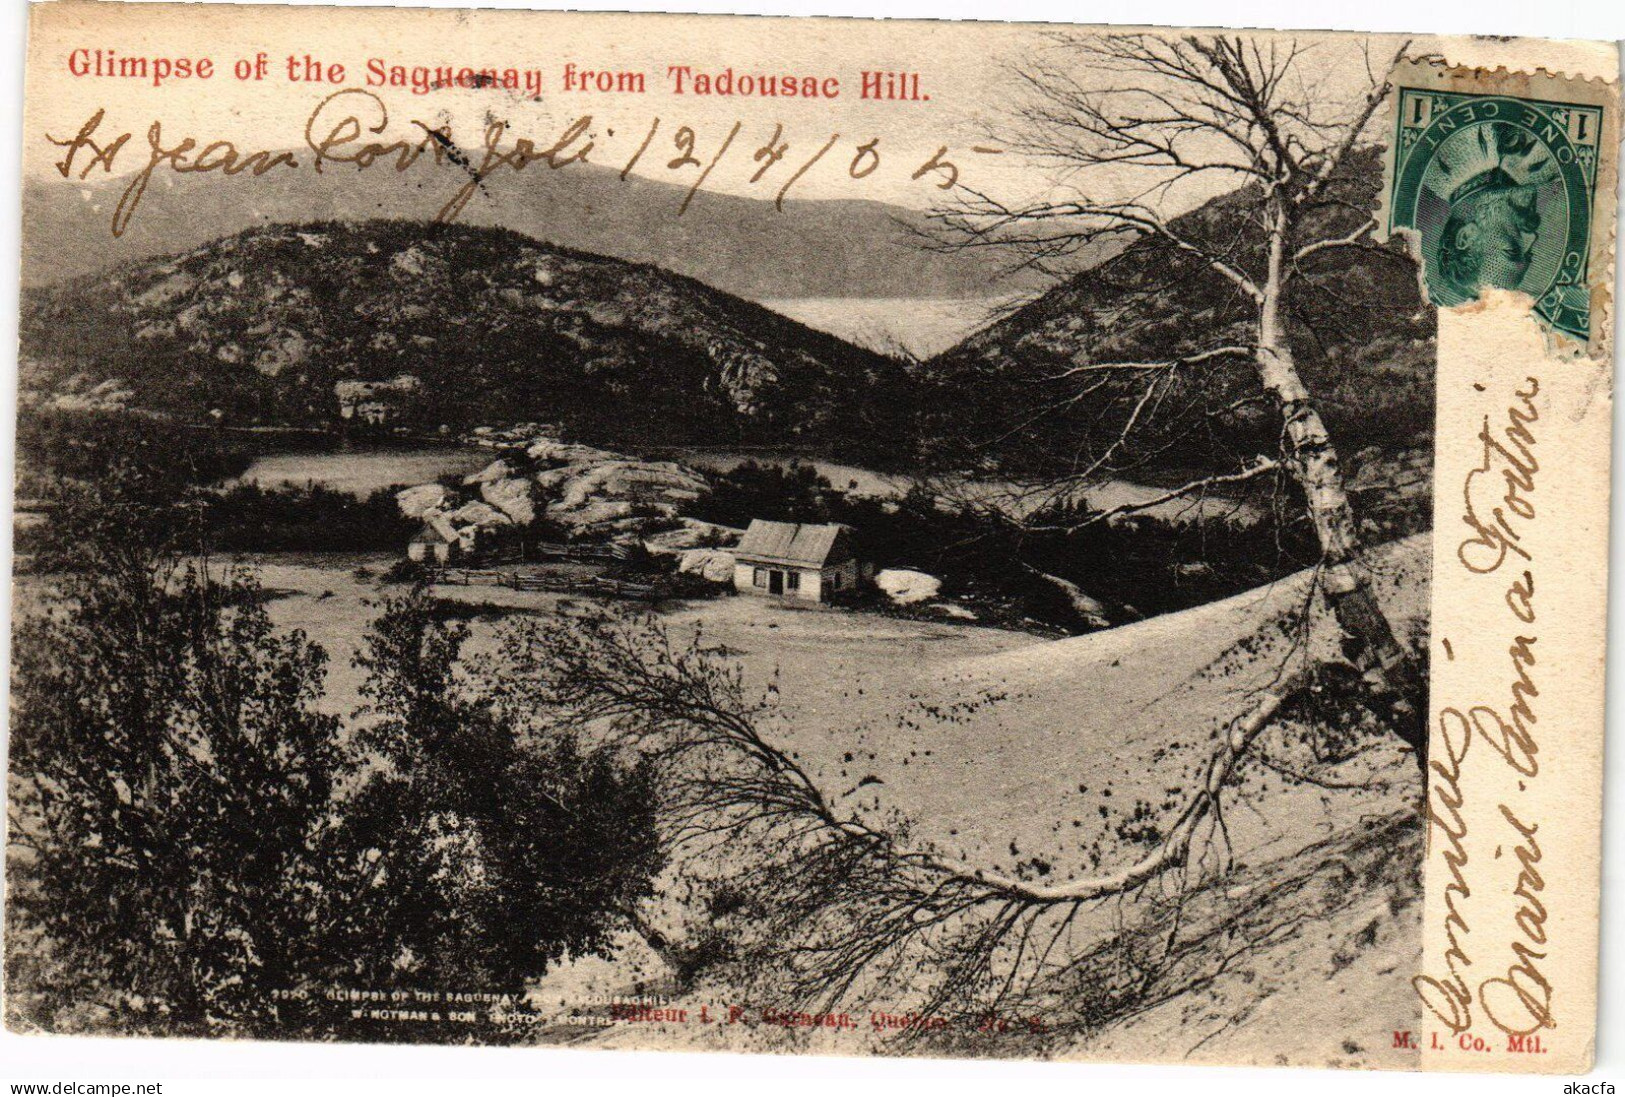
x,y
956,67
876,149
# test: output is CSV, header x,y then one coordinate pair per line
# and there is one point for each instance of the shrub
x,y
198,849
177,785
501,844
309,518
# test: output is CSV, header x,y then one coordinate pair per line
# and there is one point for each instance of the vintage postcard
x,y
802,535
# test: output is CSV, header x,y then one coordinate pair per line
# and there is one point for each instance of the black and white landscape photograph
x,y
637,614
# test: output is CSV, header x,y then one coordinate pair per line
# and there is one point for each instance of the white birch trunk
x,y
1390,669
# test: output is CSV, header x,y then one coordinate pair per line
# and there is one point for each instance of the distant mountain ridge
x,y
745,246
1363,338
499,327
279,324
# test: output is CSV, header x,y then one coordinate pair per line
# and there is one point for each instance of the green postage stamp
x,y
1497,177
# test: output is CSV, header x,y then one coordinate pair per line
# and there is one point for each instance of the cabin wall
x,y
419,551
810,588
840,579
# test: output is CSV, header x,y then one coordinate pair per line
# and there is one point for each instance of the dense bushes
x,y
174,780
197,847
507,843
78,445
793,493
308,518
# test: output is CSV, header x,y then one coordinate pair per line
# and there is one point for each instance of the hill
x,y
1290,952
631,352
746,246
1362,335
480,325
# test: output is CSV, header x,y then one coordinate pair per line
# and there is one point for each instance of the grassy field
x,y
919,712
362,472
1318,910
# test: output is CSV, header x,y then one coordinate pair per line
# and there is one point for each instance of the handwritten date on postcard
x,y
351,127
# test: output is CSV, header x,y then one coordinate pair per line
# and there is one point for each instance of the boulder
x,y
621,494
496,470
647,481
713,565
906,586
568,453
415,502
479,515
511,497
693,534
553,480
603,510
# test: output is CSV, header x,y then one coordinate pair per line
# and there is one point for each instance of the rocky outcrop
x,y
512,497
600,492
713,565
419,501
79,393
693,533
496,470
906,586
660,482
480,515
592,492
553,451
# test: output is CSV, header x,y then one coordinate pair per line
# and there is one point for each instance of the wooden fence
x,y
549,550
541,581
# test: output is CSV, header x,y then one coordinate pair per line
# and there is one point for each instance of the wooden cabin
x,y
436,542
794,560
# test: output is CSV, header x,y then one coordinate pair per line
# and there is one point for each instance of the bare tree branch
x,y
1347,240
1259,467
1330,161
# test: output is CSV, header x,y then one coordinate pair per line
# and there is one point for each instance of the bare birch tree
x,y
839,907
1153,118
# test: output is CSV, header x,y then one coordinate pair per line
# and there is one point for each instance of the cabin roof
x,y
800,543
435,530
